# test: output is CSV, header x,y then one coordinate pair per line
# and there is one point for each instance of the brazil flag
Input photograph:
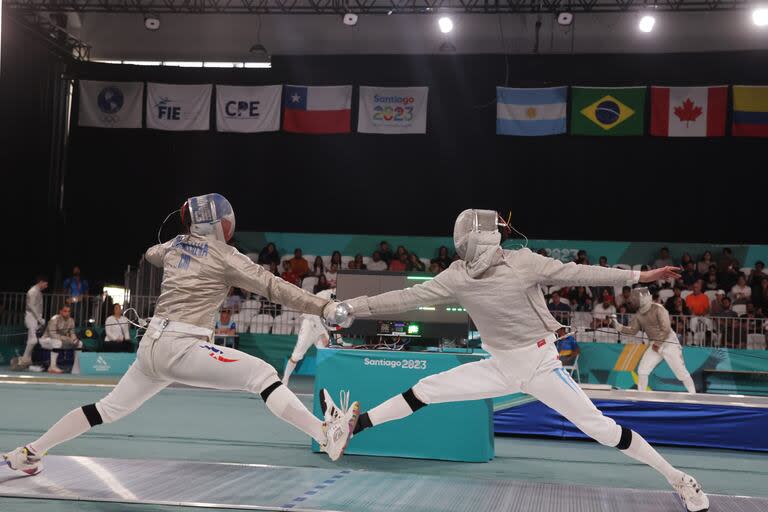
x,y
607,111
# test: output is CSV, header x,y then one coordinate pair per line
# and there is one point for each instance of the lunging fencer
x,y
198,270
654,320
500,289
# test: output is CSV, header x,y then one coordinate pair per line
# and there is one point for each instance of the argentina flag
x,y
530,112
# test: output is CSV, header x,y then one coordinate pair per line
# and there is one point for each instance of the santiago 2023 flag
x,y
110,104
392,110
530,112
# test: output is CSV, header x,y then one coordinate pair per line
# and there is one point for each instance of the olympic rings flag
x,y
392,110
110,104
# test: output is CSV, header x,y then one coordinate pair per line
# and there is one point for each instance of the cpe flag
x,y
248,109
178,107
110,104
688,111
530,112
392,110
317,109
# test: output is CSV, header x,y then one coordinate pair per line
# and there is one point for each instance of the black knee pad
x,y
413,402
269,389
626,439
92,415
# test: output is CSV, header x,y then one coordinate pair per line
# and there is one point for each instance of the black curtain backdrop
x,y
121,183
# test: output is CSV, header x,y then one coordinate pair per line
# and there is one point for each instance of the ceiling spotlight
x,y
446,24
152,23
389,12
646,23
760,16
350,19
565,18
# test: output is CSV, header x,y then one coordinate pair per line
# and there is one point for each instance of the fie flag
x,y
750,111
688,111
530,112
392,110
178,107
248,109
110,104
317,109
607,111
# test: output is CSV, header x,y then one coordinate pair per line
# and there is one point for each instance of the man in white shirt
x,y
377,263
664,259
602,311
117,332
331,275
33,320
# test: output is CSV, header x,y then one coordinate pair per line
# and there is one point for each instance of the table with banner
x,y
461,431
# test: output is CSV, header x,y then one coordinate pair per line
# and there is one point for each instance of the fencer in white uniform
x,y
312,331
198,270
33,320
500,289
654,320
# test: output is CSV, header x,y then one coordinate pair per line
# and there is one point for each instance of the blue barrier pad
x,y
106,363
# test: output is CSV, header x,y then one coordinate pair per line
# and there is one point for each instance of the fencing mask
x,y
209,215
476,236
642,298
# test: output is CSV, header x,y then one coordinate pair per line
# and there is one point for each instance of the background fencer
x,y
198,270
312,331
654,320
500,291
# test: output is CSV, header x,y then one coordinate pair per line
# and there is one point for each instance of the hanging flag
x,y
688,111
530,112
750,111
317,109
607,111
248,109
178,107
110,104
392,110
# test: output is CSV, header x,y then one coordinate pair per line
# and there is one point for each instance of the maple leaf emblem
x,y
688,112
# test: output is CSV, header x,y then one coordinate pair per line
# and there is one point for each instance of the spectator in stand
x,y
727,269
757,274
273,268
664,259
716,304
697,302
704,263
117,332
399,252
725,309
322,284
760,296
234,300
225,326
581,257
602,311
568,350
435,268
679,307
710,279
385,252
602,261
443,258
357,263
685,258
622,314
318,267
414,263
269,255
289,275
559,309
689,274
669,304
543,252
580,299
376,262
399,264
332,275
299,265
77,289
740,292
623,300
336,259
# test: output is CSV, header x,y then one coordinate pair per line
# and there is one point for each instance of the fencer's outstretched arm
x,y
154,254
631,329
430,293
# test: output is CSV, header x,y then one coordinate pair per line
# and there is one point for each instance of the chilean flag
x,y
688,111
317,109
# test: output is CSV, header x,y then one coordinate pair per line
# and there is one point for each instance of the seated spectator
x,y
725,309
435,268
269,255
624,300
727,269
336,259
622,314
322,284
299,265
602,311
716,304
741,293
399,264
760,296
234,300
318,267
559,309
757,274
543,252
580,299
332,275
669,304
443,258
697,302
272,267
664,259
377,263
117,332
702,267
568,350
385,252
415,264
60,335
357,263
289,275
710,279
602,261
679,307
685,259
689,275
399,252
225,326
581,257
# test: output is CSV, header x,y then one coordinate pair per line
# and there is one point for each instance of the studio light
x,y
446,24
646,23
152,23
760,16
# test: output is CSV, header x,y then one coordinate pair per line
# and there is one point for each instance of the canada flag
x,y
688,111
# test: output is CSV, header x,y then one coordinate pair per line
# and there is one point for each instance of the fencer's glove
x,y
614,322
338,314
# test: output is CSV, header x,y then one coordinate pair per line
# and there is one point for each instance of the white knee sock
x,y
76,366
640,450
688,383
28,349
289,367
286,406
54,358
70,426
393,409
642,382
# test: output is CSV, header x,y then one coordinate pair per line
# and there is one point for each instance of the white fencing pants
x,y
31,324
672,353
311,332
